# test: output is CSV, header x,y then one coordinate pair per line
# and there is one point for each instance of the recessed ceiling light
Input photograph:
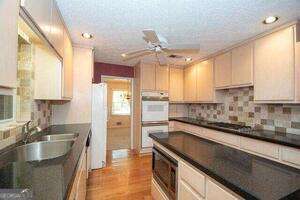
x,y
270,19
188,59
123,55
87,35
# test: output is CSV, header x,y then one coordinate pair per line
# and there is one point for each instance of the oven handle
x,y
155,123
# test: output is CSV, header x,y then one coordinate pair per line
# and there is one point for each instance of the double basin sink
x,y
47,147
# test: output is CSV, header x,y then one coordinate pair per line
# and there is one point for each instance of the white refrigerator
x,y
99,125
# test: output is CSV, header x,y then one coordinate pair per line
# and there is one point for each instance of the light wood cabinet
x,y
190,83
9,42
40,12
242,65
274,75
67,67
205,82
162,78
78,189
154,77
215,192
148,76
185,192
176,84
57,30
223,70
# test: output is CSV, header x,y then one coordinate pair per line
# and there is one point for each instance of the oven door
x,y
152,128
155,111
164,171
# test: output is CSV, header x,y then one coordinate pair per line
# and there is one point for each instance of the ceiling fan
x,y
158,45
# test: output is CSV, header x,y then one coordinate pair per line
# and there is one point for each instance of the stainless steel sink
x,y
56,137
38,151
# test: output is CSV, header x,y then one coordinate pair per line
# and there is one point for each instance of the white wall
x,y
78,110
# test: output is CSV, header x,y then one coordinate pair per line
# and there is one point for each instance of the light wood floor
x,y
127,176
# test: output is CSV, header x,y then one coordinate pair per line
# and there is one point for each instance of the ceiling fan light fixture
x,y
87,35
270,19
188,59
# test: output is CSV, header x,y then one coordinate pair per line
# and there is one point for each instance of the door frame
x,y
131,104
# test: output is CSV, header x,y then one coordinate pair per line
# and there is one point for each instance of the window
x,y
120,103
6,107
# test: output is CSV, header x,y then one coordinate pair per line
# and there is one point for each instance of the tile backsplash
x,y
239,107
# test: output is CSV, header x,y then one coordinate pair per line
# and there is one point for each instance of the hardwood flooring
x,y
127,176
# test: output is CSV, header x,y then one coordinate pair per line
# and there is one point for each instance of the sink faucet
x,y
28,132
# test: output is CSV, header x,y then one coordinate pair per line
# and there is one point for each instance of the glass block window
x,y
6,107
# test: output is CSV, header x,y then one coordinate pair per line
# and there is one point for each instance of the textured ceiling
x,y
211,25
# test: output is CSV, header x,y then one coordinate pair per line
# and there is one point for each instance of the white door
x,y
146,130
99,126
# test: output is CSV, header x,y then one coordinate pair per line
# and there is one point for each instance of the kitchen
x,y
211,102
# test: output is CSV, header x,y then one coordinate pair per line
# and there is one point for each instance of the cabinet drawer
x,y
262,148
215,192
193,178
223,137
156,192
291,155
185,192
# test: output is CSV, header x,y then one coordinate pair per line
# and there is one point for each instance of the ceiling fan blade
x,y
151,35
146,39
171,51
138,55
134,52
161,58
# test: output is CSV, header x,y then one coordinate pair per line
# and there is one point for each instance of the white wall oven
x,y
155,116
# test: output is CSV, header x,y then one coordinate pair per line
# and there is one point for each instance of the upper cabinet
x,y
40,12
147,76
276,67
154,77
223,70
205,81
162,78
57,30
9,43
67,67
190,83
59,76
242,65
234,68
176,84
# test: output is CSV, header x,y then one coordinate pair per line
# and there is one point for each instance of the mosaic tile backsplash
x,y
240,108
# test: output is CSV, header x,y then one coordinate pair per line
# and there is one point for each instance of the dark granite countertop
x,y
47,179
287,139
247,175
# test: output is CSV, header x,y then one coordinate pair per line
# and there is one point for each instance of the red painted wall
x,y
111,70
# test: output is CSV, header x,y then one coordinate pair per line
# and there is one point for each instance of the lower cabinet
x,y
185,192
215,192
78,190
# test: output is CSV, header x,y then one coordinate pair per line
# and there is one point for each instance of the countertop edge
x,y
240,134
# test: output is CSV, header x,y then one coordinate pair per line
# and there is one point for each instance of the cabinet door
x,y
223,70
67,67
176,84
205,81
185,192
190,83
147,76
162,78
274,67
57,30
215,192
242,65
9,42
40,11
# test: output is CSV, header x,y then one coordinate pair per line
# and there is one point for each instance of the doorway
x,y
119,118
